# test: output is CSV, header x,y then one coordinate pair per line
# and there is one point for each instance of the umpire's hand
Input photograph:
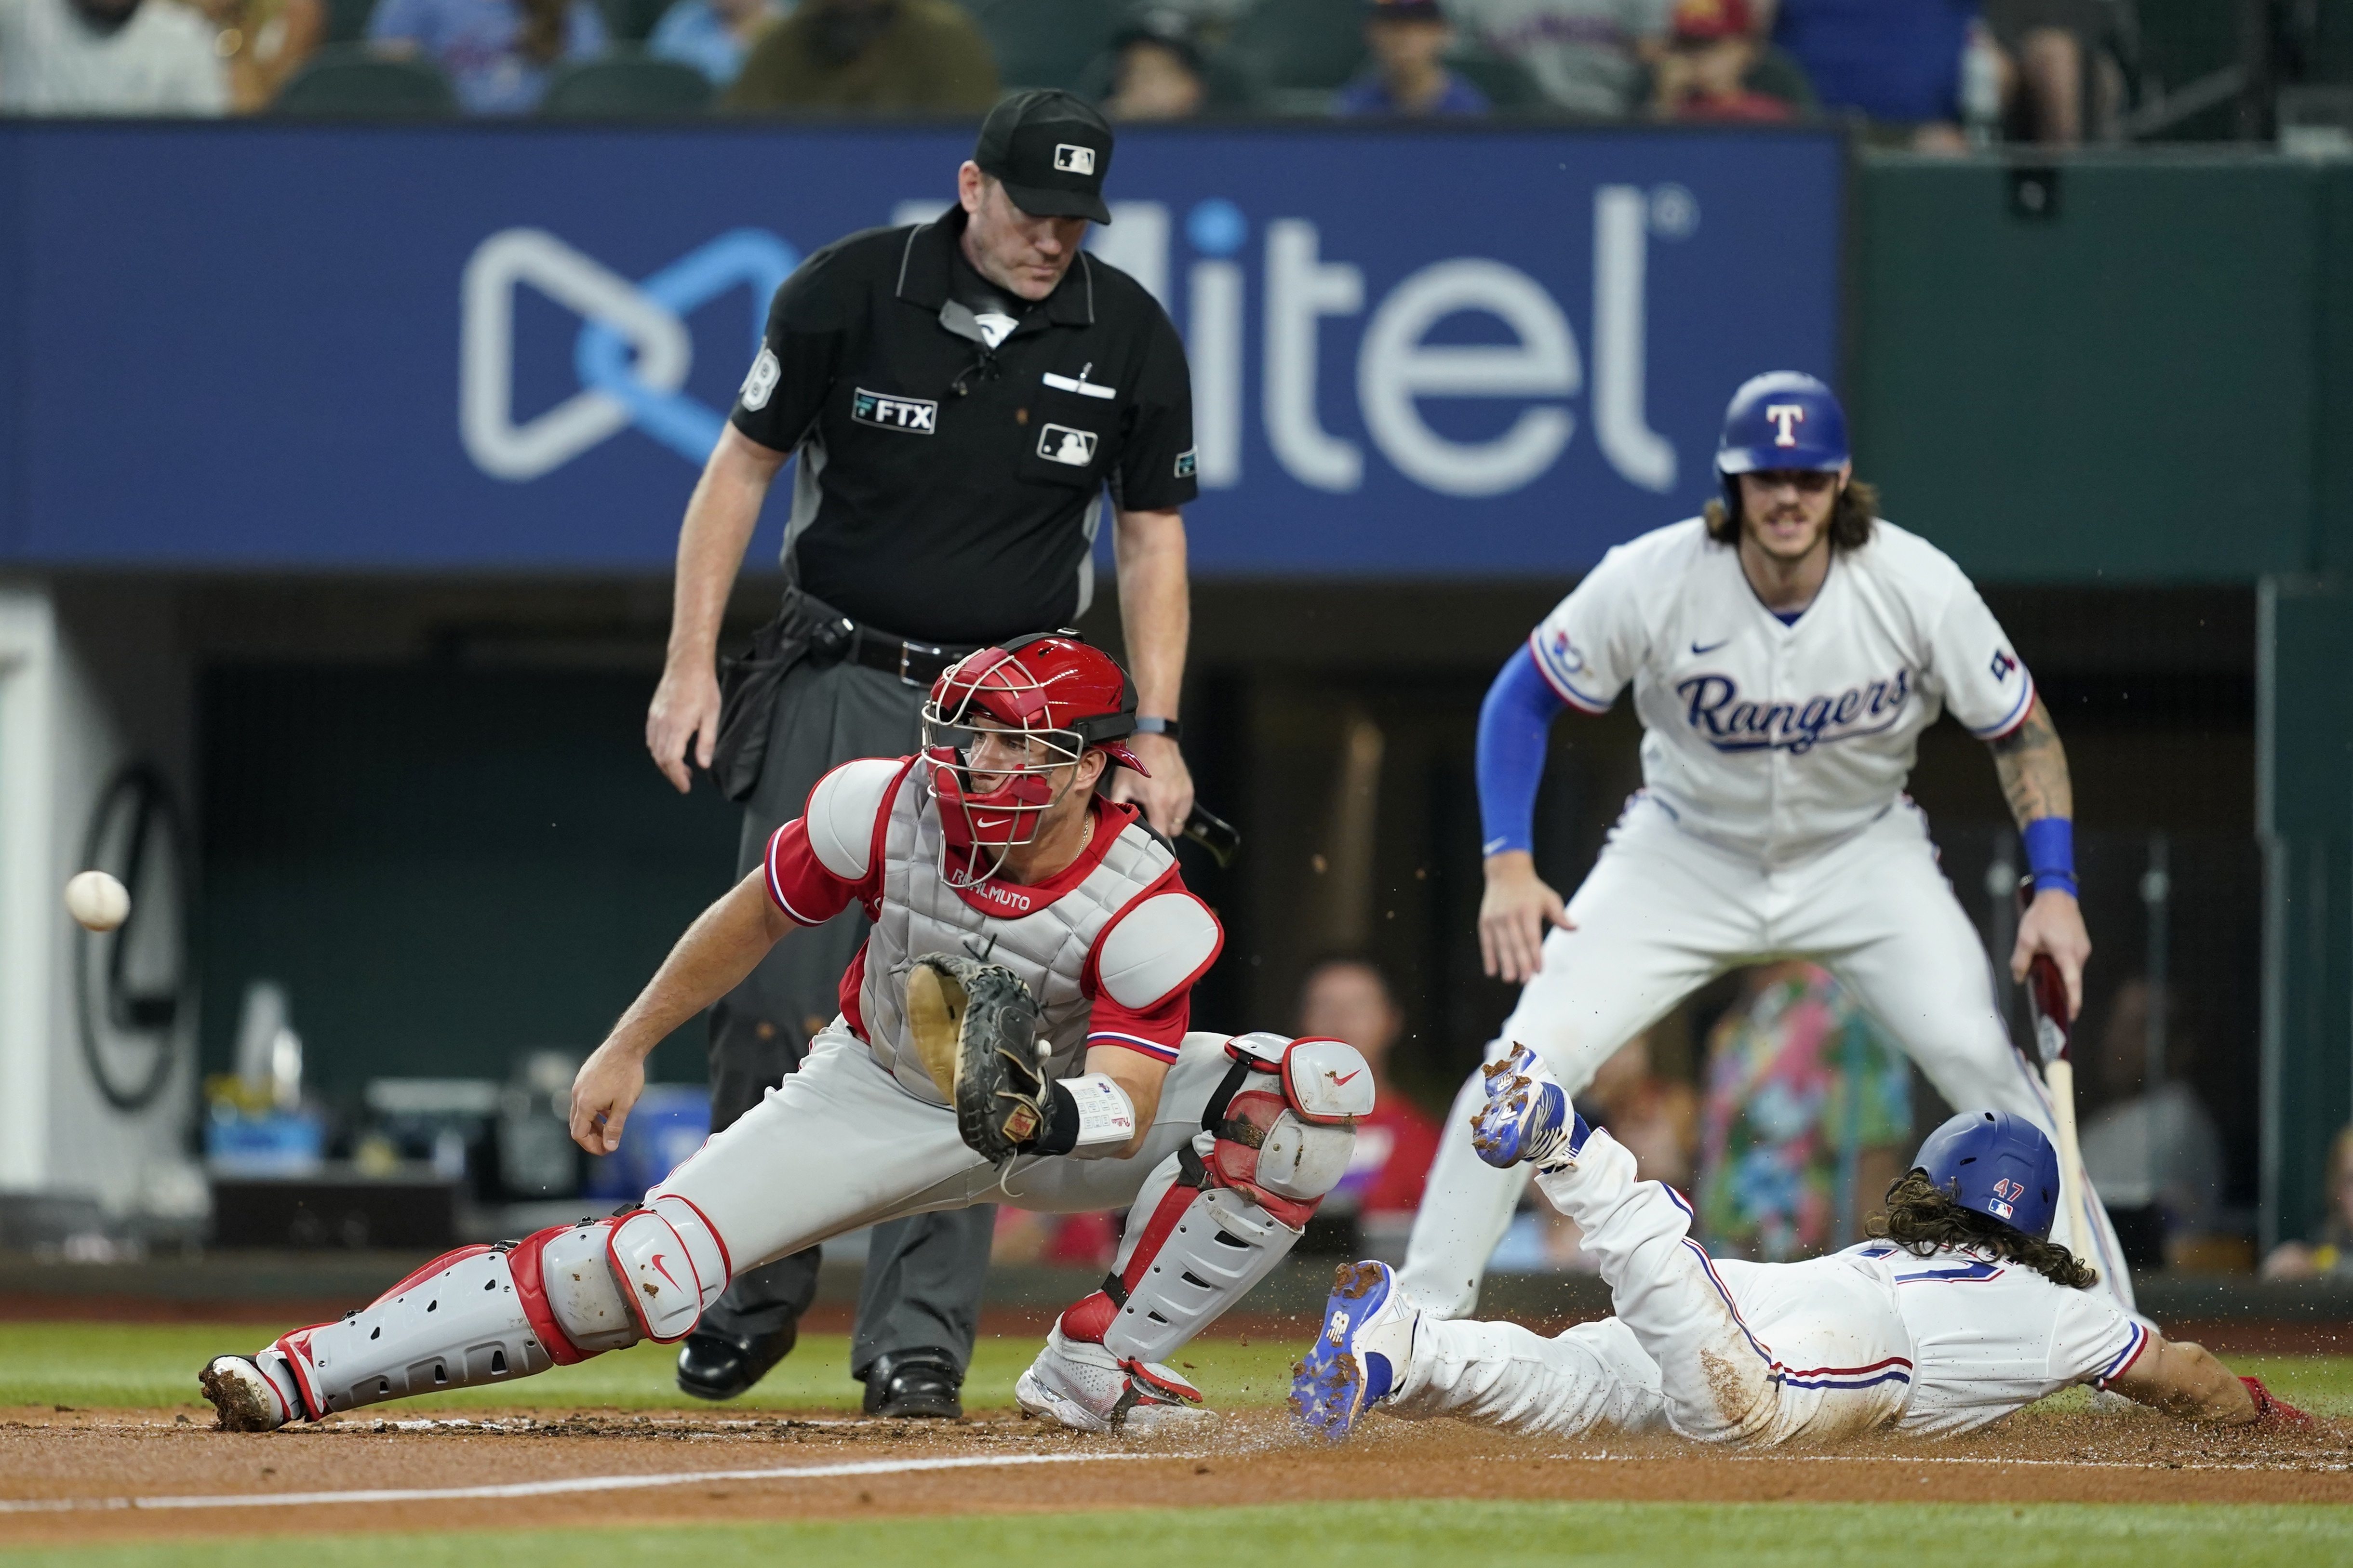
x,y
685,714
1166,797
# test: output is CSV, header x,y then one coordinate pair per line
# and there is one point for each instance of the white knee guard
x,y
578,1282
1277,1138
672,1263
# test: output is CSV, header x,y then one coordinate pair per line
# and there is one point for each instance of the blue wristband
x,y
2050,855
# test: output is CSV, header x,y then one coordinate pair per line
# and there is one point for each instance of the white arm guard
x,y
1106,1115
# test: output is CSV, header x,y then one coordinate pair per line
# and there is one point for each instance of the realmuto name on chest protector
x,y
1044,938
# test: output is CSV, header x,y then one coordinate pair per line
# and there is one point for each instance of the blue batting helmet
x,y
1782,419
1996,1163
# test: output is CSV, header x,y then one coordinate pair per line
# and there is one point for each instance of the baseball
x,y
97,901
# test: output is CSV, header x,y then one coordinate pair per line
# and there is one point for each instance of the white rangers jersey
x,y
1779,739
1990,1337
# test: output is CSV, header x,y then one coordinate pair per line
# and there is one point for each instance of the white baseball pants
x,y
1721,1353
1662,913
839,1144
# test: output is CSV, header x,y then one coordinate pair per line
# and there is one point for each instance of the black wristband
x,y
1168,727
1061,1135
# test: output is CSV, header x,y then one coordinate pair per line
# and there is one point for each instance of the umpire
x,y
960,394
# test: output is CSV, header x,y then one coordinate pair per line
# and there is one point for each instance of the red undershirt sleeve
x,y
798,882
1156,1031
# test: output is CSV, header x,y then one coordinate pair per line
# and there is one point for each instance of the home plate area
x,y
86,1476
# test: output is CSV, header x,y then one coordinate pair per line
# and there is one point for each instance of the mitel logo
x,y
1402,375
632,355
635,349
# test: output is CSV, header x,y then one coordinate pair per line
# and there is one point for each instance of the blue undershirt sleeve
x,y
1514,724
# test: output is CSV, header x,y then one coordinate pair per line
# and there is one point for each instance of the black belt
x,y
915,663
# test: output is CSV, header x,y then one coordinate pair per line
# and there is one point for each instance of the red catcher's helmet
x,y
1060,696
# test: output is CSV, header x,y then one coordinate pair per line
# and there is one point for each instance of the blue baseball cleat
x,y
1360,1356
1528,1117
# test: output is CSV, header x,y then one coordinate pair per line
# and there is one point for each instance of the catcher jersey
x,y
1989,1337
1110,946
1780,739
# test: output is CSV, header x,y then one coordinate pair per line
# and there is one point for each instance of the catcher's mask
x,y
1000,724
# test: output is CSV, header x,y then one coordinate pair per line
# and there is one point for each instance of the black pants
x,y
925,1273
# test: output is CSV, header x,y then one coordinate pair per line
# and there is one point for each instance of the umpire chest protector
x,y
1047,937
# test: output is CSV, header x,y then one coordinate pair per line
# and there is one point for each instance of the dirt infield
x,y
80,1477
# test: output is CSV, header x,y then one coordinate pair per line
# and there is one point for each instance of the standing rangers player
x,y
1966,1311
1014,1030
1785,650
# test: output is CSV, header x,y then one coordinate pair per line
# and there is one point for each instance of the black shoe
x,y
721,1366
923,1384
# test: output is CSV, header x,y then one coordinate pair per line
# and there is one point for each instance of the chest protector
x,y
1047,944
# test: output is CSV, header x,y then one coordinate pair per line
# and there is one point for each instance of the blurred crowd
x,y
1931,74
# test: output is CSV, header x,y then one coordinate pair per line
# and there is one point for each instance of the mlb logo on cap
x,y
1053,150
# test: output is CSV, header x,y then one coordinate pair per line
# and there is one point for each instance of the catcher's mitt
x,y
976,1026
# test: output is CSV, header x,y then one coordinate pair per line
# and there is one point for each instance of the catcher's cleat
x,y
1527,1118
1085,1387
1360,1356
243,1396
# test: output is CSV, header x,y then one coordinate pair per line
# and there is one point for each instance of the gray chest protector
x,y
1046,943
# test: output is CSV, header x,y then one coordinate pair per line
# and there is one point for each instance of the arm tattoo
x,y
2033,767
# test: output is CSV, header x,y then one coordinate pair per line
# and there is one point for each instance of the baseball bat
x,y
2046,1004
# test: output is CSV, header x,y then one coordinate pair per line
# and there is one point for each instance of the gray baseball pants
x,y
923,1272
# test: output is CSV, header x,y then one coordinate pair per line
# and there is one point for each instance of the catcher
x,y
1963,1312
1013,1031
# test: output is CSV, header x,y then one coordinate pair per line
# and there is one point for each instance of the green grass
x,y
1361,1535
148,1365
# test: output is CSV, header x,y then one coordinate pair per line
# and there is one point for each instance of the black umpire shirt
x,y
946,490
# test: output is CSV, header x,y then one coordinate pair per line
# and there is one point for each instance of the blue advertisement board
x,y
1465,352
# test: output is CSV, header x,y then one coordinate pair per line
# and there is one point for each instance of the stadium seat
x,y
1508,86
623,84
348,80
1293,46
632,21
347,20
1044,43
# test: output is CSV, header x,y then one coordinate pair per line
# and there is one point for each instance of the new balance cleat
x,y
1361,1354
1527,1118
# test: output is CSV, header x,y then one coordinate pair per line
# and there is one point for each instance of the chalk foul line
x,y
553,1488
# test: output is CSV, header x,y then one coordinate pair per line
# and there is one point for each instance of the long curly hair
x,y
1849,518
1920,1219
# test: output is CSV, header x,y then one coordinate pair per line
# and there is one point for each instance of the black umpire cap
x,y
1051,151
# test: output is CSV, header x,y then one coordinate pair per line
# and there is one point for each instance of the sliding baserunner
x,y
1785,650
1962,1311
1014,1030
